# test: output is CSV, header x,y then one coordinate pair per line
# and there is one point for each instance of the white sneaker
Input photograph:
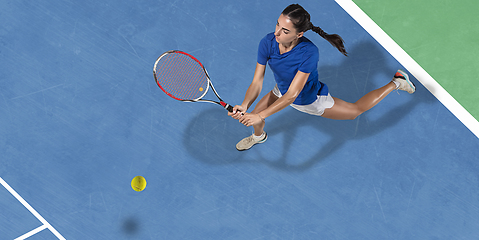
x,y
248,142
404,84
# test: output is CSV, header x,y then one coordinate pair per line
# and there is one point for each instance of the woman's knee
x,y
342,111
356,112
355,115
265,102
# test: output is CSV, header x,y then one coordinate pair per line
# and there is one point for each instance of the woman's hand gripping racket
x,y
182,77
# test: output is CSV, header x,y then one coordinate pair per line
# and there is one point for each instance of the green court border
x,y
411,65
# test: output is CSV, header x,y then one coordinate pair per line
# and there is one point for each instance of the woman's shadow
x,y
211,136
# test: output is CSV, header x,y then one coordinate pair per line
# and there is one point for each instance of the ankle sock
x,y
257,138
397,83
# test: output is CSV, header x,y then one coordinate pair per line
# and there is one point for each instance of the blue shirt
x,y
303,57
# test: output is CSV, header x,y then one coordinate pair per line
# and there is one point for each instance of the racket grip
x,y
228,107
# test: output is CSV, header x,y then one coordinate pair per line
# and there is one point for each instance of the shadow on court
x,y
211,136
130,226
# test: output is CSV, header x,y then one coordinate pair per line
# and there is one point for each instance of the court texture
x,y
81,116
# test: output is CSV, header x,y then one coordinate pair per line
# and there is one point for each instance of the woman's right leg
x,y
342,110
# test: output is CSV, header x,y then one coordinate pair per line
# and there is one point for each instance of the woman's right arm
x,y
252,93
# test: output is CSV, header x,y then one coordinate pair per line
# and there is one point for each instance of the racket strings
x,y
181,76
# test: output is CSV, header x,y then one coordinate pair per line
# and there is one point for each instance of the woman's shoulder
x,y
307,49
306,44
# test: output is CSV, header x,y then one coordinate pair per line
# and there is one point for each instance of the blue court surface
x,y
81,115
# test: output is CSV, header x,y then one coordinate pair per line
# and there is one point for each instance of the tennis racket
x,y
182,77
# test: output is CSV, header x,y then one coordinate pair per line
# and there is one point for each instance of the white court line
x,y
35,213
412,66
31,233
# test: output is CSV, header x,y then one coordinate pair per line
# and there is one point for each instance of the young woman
x,y
293,59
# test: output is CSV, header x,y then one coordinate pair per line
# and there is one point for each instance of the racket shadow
x,y
211,136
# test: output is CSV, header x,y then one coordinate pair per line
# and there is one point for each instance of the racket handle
x,y
228,107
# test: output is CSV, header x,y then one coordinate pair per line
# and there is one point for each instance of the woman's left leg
x,y
264,103
259,135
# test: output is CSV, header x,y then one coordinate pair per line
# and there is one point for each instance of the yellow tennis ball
x,y
138,183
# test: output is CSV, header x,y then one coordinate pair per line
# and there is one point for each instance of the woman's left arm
x,y
294,89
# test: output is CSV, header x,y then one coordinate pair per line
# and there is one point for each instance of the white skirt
x,y
316,108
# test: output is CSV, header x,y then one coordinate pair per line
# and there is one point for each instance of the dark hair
x,y
301,21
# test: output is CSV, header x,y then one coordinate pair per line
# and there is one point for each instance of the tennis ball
x,y
138,183
201,89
